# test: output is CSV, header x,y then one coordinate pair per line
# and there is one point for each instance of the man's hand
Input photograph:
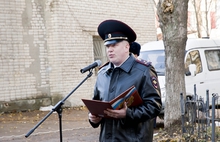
x,y
117,113
94,119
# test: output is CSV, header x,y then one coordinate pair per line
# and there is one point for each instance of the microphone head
x,y
99,62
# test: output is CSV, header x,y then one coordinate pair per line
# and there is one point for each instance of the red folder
x,y
130,96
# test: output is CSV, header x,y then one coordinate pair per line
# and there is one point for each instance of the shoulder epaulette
x,y
144,62
103,65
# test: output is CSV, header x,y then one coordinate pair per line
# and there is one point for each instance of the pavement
x,y
37,126
75,126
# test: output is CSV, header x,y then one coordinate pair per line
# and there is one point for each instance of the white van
x,y
202,65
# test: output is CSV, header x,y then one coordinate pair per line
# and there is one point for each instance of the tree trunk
x,y
206,17
173,23
198,13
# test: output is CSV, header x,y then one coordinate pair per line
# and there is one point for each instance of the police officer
x,y
129,124
135,49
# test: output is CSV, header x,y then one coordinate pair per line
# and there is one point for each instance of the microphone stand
x,y
58,109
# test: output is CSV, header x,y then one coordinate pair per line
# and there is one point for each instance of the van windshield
x,y
157,58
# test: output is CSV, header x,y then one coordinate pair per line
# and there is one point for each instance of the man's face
x,y
118,52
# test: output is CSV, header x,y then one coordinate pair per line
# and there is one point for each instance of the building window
x,y
99,51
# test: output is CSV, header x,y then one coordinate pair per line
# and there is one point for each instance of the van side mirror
x,y
188,73
192,69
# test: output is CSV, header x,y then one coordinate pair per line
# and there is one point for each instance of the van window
x,y
157,59
193,57
213,59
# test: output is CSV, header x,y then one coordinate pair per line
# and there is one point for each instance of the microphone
x,y
91,66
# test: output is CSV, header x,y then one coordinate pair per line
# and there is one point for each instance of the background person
x,y
120,73
135,49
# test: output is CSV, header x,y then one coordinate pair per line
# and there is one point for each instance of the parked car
x,y
202,65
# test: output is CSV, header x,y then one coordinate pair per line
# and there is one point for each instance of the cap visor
x,y
113,41
110,42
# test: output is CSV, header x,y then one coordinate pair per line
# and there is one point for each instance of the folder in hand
x,y
130,96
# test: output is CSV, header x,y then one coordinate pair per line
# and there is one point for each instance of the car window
x,y
193,57
213,59
157,59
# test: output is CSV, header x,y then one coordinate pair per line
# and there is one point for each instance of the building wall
x,y
45,43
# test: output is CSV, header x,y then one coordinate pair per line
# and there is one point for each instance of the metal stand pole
x,y
58,109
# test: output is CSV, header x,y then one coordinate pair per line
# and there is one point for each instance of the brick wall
x,y
44,44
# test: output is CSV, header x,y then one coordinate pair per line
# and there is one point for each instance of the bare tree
x,y
208,6
173,23
206,18
197,6
202,9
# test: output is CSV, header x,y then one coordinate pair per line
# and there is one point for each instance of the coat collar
x,y
127,65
